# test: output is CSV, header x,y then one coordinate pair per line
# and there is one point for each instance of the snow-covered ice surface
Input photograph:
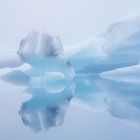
x,y
61,84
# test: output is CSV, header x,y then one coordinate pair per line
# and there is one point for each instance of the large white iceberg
x,y
88,71
117,47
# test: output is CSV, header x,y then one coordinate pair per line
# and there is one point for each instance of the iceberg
x,y
16,77
127,74
48,78
116,47
40,46
45,53
50,92
104,52
87,72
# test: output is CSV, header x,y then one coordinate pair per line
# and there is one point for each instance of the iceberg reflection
x,y
49,80
47,109
123,101
102,72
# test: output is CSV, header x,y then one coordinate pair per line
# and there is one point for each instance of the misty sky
x,y
71,20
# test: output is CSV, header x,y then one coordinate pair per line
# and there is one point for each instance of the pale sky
x,y
71,20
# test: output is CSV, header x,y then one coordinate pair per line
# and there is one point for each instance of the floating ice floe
x,y
127,74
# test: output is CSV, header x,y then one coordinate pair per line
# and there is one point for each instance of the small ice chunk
x,y
16,77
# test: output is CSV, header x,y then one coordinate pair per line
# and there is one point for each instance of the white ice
x,y
126,74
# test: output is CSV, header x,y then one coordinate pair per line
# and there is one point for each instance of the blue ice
x,y
101,73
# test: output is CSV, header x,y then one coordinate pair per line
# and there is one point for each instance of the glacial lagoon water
x,y
87,91
89,107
